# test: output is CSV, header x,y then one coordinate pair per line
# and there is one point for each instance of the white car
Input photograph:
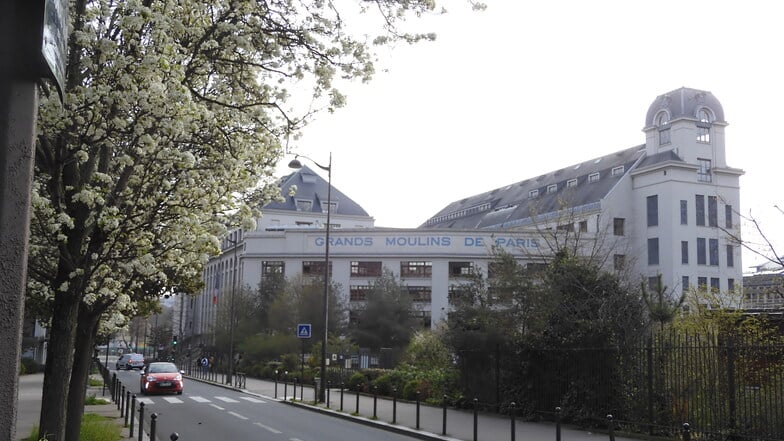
x,y
129,361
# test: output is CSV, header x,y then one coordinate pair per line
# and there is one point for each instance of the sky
x,y
527,87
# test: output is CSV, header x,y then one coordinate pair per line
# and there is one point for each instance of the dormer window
x,y
303,204
552,188
329,205
533,193
617,170
593,177
664,129
571,183
704,118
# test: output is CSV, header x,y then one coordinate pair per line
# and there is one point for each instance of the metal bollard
x,y
443,423
360,388
153,423
295,388
341,397
141,420
133,415
174,436
394,405
285,388
512,413
315,392
302,390
686,432
375,401
476,418
122,400
611,426
557,424
127,405
276,385
417,410
111,387
329,385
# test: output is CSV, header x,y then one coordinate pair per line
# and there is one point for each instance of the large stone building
x,y
664,207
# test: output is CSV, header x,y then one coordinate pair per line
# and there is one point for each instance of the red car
x,y
161,377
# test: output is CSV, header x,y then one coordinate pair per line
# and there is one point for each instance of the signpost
x,y
303,333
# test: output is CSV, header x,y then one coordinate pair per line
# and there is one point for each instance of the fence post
x,y
153,423
686,432
133,416
649,375
731,382
417,410
557,424
611,426
394,405
476,419
512,413
141,420
443,422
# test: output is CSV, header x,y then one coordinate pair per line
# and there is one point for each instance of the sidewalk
x,y
459,423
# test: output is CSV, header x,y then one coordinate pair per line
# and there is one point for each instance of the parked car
x,y
161,377
130,361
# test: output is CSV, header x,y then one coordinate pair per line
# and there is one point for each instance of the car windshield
x,y
161,368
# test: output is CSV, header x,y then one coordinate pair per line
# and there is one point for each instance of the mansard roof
x,y
579,187
312,187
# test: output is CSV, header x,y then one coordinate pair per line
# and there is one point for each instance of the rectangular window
x,y
703,132
619,262
684,212
583,226
416,269
332,206
272,267
713,211
700,209
533,193
713,251
652,206
684,252
684,283
552,188
715,284
419,294
730,256
704,172
314,267
461,269
358,293
565,227
664,136
571,183
365,269
702,283
618,224
593,177
731,285
728,216
701,251
616,171
653,251
303,204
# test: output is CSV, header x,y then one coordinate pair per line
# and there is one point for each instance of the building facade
x,y
666,208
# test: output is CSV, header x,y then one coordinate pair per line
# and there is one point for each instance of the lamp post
x,y
231,312
295,164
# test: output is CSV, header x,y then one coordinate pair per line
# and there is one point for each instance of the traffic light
x,y
174,341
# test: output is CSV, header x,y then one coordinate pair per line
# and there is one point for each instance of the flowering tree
x,y
171,122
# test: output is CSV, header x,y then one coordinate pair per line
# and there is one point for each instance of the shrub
x,y
30,366
357,382
383,384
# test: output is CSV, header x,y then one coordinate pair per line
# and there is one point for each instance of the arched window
x,y
664,130
704,118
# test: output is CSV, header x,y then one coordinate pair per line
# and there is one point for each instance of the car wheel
x,y
179,392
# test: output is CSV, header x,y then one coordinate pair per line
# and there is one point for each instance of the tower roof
x,y
684,103
313,188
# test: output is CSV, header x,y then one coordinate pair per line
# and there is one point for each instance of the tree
x,y
301,302
662,307
171,125
385,320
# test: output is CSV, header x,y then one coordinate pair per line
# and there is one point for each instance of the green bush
x,y
29,365
383,384
357,382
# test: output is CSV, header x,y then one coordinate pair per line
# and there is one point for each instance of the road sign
x,y
303,330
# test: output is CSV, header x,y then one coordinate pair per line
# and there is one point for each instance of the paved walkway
x,y
402,416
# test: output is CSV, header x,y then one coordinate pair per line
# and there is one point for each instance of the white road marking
x,y
217,407
268,428
227,399
294,439
173,400
238,415
252,400
199,399
146,401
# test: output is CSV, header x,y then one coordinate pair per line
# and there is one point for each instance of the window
x,y
654,282
533,193
730,256
314,268
713,251
728,216
664,131
419,294
565,227
664,136
416,269
713,212
684,212
684,283
617,171
303,223
593,177
704,172
358,293
583,226
552,188
303,204
461,269
702,283
571,183
731,285
700,209
653,251
332,205
684,252
652,205
365,269
703,126
618,224
272,267
701,251
715,284
619,262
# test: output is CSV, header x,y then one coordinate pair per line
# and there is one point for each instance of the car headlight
x,y
150,378
178,378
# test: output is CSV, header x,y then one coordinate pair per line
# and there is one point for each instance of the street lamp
x,y
295,164
231,312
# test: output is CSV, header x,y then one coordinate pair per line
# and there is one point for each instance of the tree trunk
x,y
59,362
86,331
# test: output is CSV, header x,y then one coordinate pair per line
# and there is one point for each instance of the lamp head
x,y
295,164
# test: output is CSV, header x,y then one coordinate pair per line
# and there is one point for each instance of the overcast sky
x,y
528,87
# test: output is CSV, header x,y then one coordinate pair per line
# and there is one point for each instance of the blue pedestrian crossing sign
x,y
303,330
